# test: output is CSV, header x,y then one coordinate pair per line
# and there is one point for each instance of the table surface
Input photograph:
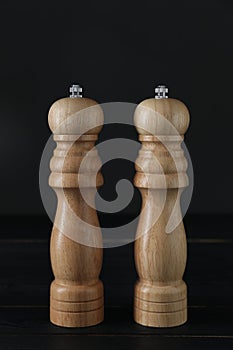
x,y
26,275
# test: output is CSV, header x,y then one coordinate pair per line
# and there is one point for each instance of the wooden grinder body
x,y
160,293
76,295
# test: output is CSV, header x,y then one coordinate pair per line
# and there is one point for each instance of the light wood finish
x,y
76,295
160,298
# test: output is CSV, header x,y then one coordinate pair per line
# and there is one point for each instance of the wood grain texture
x,y
160,248
76,295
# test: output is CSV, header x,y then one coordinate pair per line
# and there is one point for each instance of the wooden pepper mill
x,y
160,298
76,295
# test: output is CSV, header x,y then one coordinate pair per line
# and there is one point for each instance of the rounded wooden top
x,y
75,116
165,116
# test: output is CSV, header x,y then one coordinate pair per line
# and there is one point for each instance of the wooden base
x,y
159,305
76,306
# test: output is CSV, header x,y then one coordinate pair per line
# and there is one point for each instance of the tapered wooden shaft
x,y
160,298
76,295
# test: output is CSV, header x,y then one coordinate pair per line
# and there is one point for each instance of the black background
x,y
118,51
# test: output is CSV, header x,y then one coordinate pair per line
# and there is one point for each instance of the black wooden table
x,y
25,276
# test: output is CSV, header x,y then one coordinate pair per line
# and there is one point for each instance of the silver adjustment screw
x,y
161,91
76,91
